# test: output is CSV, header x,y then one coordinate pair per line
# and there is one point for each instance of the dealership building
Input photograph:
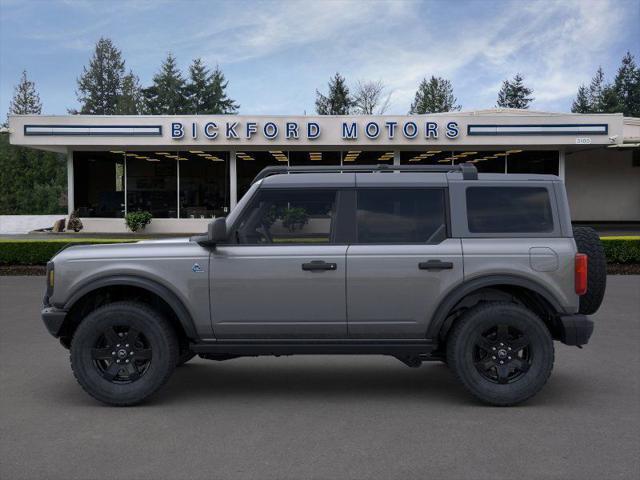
x,y
186,170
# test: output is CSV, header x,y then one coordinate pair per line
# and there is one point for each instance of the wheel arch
x,y
541,299
128,286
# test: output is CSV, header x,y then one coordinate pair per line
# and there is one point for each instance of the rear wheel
x,y
501,352
123,352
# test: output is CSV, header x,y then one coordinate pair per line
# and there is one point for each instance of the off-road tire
x,y
588,241
160,343
462,347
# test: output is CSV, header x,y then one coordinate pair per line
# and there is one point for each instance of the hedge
x,y
622,249
38,252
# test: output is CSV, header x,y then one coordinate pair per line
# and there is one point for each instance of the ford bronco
x,y
481,271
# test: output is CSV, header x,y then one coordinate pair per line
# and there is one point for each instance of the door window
x,y
404,215
288,217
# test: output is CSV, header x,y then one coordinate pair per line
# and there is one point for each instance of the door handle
x,y
318,265
435,265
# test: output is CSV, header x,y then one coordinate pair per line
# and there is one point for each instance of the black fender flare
x,y
458,293
184,317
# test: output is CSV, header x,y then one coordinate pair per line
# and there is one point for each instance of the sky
x,y
275,54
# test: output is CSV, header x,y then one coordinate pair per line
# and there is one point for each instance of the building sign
x,y
294,130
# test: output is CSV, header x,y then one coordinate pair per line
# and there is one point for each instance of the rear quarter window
x,y
509,210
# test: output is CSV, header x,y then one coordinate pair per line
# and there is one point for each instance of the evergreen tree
x,y
206,91
31,181
627,86
581,104
514,94
433,96
219,102
167,95
130,101
99,86
196,89
596,91
25,99
338,101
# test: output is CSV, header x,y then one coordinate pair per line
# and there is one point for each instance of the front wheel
x,y
123,352
501,352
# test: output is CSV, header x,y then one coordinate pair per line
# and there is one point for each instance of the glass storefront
x,y
99,184
489,161
204,180
152,184
195,183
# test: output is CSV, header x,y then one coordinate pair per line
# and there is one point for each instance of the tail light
x,y
581,273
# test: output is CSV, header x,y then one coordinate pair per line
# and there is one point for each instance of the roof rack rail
x,y
469,170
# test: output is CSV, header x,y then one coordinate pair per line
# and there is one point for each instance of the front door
x,y
283,275
401,263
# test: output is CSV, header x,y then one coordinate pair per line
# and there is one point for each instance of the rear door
x,y
402,261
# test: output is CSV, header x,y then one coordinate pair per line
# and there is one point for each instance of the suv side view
x,y
420,263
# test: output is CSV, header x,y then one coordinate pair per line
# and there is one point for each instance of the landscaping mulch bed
x,y
13,270
612,269
623,269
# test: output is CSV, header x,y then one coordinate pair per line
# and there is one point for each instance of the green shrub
x,y
137,220
39,252
622,249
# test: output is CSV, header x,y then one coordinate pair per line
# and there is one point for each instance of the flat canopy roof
x,y
485,128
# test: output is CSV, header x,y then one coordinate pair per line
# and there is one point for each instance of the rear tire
x,y
588,242
123,352
501,352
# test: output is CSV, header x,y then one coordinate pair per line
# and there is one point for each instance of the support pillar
x,y
70,185
233,180
561,164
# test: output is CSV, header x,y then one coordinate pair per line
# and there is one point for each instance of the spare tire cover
x,y
588,242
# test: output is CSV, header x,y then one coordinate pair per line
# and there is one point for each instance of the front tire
x,y
501,352
123,352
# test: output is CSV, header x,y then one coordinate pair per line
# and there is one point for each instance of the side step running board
x,y
399,348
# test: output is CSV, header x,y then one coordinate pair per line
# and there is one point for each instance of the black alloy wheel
x,y
502,354
122,354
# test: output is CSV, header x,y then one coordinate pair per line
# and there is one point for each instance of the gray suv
x,y
420,263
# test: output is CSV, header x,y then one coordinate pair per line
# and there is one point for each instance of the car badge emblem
x,y
196,268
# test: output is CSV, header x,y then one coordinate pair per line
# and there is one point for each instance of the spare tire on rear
x,y
588,242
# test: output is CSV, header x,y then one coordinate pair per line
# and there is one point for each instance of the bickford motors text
x,y
349,130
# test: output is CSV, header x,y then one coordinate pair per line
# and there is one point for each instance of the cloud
x,y
556,45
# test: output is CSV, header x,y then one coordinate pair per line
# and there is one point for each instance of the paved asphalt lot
x,y
320,417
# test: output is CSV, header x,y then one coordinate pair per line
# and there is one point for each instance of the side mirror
x,y
217,232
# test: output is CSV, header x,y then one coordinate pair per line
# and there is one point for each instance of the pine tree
x,y
130,101
514,94
206,91
196,89
338,101
99,86
25,99
627,86
433,96
167,95
596,91
31,181
219,102
581,104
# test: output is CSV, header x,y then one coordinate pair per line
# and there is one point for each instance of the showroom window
x,y
99,184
